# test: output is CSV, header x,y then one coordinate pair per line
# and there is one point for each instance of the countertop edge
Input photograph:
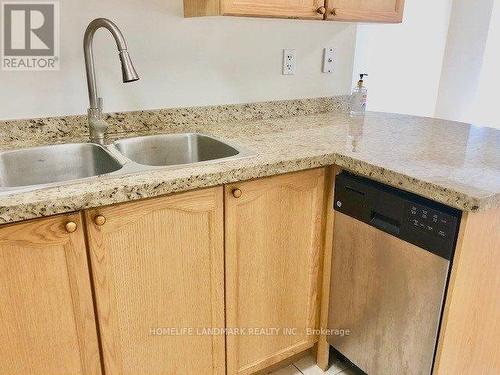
x,y
82,201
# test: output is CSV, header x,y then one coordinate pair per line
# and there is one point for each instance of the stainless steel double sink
x,y
55,164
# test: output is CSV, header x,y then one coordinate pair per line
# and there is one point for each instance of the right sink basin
x,y
174,149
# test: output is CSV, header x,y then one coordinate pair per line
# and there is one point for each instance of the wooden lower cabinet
x,y
47,323
274,231
158,271
470,332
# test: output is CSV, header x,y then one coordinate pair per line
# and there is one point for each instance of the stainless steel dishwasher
x,y
391,258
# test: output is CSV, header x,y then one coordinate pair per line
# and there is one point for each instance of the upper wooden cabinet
x,y
304,9
386,11
158,270
274,231
47,323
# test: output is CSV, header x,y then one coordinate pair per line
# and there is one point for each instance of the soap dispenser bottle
x,y
358,97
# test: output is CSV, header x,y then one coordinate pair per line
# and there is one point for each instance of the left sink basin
x,y
55,163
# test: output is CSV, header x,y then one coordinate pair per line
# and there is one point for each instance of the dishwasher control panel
x,y
431,221
410,217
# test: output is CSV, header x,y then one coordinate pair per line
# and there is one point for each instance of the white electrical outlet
x,y
289,61
328,60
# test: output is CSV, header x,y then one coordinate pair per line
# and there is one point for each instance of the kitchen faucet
x,y
97,125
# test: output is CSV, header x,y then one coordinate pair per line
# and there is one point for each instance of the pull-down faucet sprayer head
x,y
128,70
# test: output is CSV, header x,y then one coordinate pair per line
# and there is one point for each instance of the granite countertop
x,y
452,163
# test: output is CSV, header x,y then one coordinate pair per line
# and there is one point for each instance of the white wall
x,y
484,109
182,62
443,61
404,61
462,65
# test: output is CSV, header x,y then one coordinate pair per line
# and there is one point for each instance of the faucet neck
x,y
89,54
97,125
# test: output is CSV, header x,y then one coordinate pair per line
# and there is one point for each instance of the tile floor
x,y
307,366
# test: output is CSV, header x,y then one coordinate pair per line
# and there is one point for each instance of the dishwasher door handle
x,y
385,224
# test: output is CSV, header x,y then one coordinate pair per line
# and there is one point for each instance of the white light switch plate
x,y
328,60
289,61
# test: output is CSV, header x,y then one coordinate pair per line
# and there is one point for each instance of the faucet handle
x,y
95,114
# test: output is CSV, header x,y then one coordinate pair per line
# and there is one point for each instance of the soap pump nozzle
x,y
361,79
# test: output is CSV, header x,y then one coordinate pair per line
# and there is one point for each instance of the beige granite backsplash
x,y
53,130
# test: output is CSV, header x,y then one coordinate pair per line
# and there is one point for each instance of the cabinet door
x,y
158,271
47,323
388,11
274,229
306,9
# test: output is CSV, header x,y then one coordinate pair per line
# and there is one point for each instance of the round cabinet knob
x,y
237,193
334,12
70,226
321,10
99,220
